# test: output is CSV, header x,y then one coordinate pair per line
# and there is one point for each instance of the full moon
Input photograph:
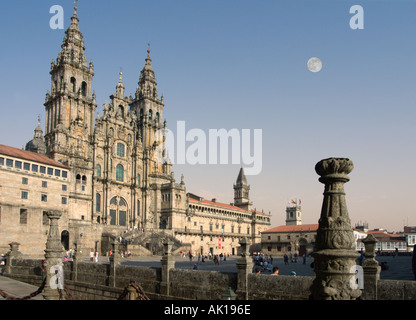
x,y
314,64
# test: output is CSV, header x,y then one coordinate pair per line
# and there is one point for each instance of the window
x,y
97,202
210,227
84,89
74,84
78,178
35,167
120,149
64,174
64,200
57,173
44,198
9,162
138,180
26,166
18,164
2,161
42,169
24,195
150,114
84,180
64,187
120,173
23,216
50,171
121,110
24,181
98,171
44,184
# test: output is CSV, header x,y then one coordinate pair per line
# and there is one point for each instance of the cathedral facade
x,y
117,176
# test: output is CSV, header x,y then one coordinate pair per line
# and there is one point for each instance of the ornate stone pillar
x,y
335,244
244,268
12,254
53,258
371,269
168,263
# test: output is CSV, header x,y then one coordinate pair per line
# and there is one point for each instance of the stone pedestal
x,y
371,269
335,254
14,253
244,268
168,263
53,258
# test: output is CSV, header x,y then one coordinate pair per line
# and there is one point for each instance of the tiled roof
x,y
294,228
28,155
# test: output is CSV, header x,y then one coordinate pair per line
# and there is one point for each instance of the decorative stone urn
x,y
335,253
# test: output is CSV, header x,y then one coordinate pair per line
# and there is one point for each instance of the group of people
x,y
215,258
262,261
293,258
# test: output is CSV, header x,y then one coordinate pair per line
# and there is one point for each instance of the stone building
x,y
117,174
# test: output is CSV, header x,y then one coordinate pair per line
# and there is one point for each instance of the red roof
x,y
294,228
29,155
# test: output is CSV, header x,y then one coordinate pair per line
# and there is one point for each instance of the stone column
x,y
244,268
335,254
76,257
11,255
115,260
53,257
371,269
168,263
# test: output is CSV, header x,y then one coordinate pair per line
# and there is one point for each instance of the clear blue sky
x,y
242,64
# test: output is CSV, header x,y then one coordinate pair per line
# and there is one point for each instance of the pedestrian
x,y
91,256
96,256
275,271
257,270
286,259
304,258
414,261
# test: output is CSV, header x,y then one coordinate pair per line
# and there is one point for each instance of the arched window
x,y
78,178
141,114
74,84
97,202
84,180
150,114
120,149
121,110
98,171
120,173
84,89
138,180
157,116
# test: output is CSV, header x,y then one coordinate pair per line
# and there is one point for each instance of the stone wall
x,y
93,283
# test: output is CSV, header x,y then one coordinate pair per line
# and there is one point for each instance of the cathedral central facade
x,y
116,178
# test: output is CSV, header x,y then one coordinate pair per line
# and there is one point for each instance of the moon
x,y
314,64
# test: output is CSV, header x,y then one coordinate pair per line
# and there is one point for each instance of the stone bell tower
x,y
70,105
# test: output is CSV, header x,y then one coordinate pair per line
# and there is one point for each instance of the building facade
x,y
118,176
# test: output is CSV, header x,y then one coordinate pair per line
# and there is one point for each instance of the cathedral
x,y
109,174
